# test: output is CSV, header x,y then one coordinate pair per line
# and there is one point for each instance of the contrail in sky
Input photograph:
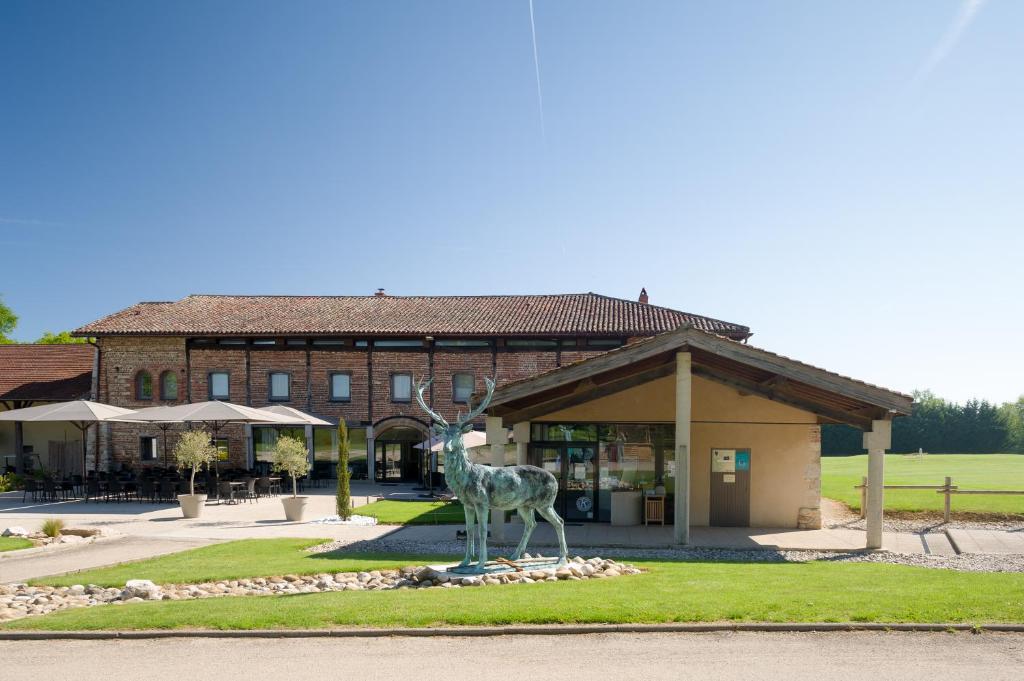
x,y
536,68
968,10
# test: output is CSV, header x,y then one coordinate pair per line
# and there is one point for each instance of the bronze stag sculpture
x,y
482,488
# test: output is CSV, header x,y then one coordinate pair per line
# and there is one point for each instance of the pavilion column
x,y
684,397
521,436
371,456
876,441
497,436
19,445
309,446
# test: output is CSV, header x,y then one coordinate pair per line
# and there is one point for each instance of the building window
x,y
531,344
221,444
341,387
168,385
462,388
398,344
143,386
219,385
147,448
280,386
461,343
401,387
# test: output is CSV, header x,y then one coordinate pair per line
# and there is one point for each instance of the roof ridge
x,y
389,295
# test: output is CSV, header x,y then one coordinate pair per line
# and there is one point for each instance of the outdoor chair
x,y
249,491
116,490
147,489
93,489
262,487
67,489
31,490
225,493
49,490
167,490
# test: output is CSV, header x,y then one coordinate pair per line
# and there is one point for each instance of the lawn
x,y
14,543
668,592
839,474
237,559
414,512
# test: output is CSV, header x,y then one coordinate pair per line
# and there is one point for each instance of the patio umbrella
x,y
292,413
79,413
215,413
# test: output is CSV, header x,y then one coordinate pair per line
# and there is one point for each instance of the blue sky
x,y
843,177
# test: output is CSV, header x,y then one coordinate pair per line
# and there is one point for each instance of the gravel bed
x,y
962,563
24,600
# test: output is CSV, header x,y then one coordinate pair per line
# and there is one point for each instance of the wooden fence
x,y
947,488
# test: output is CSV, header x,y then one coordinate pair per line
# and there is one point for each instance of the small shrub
x,y
52,527
194,448
291,457
8,482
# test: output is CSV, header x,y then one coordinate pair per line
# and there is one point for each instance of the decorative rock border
x,y
23,600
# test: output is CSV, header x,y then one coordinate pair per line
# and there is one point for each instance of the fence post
x,y
863,495
945,511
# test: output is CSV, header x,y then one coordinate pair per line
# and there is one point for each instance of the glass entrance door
x,y
576,471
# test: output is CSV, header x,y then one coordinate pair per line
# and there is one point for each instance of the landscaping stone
x,y
15,531
21,600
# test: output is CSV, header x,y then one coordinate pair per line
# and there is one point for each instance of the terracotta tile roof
x,y
45,372
510,315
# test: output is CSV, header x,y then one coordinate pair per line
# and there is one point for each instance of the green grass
x,y
668,592
14,543
839,474
234,560
414,512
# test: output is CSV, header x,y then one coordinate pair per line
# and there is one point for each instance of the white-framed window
x,y
341,387
462,387
280,385
147,448
219,385
401,387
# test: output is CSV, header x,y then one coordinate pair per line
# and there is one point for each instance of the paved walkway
x,y
744,656
21,566
707,537
988,541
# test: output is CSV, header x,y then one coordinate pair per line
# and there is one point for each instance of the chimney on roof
x,y
380,293
643,296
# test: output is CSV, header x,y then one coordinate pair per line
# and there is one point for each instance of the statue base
x,y
499,566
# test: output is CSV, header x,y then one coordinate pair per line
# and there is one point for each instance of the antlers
x,y
420,387
483,403
479,409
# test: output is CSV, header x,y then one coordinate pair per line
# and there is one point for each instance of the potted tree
x,y
292,457
193,449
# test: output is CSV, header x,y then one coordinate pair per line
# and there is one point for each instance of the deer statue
x,y
482,488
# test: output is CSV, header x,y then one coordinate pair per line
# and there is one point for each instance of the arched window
x,y
143,386
168,385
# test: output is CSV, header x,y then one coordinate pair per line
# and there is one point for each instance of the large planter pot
x,y
192,504
294,507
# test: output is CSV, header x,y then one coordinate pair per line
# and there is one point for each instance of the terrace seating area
x,y
158,485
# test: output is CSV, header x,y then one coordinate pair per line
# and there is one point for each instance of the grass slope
x,y
237,559
414,512
669,592
14,543
969,471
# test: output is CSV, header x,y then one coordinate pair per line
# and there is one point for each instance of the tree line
x,y
9,320
938,426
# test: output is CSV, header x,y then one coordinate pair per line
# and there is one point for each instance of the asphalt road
x,y
650,657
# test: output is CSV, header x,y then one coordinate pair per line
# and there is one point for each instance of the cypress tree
x,y
343,497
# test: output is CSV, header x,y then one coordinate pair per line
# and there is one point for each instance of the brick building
x,y
350,357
